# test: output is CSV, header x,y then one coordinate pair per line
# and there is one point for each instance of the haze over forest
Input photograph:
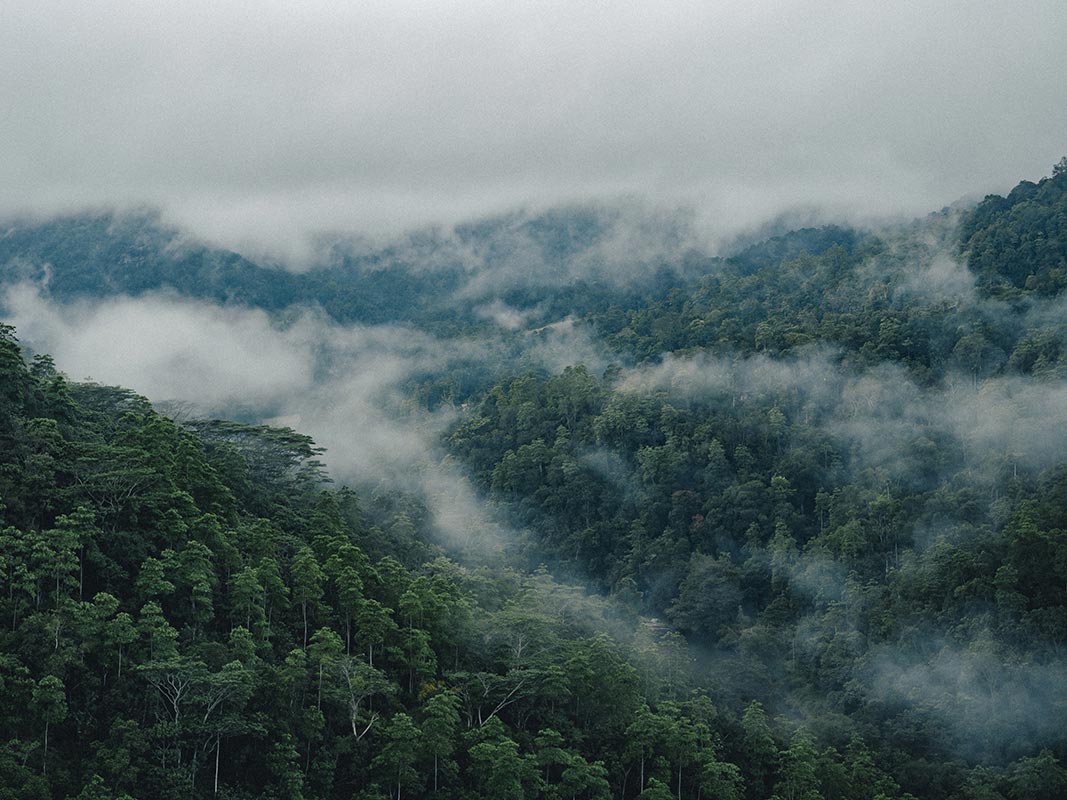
x,y
451,401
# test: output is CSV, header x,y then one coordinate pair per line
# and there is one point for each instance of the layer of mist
x,y
348,385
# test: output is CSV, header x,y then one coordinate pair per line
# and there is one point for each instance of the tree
x,y
373,624
657,790
682,740
50,705
798,779
287,777
496,767
152,580
97,789
323,652
57,551
721,779
645,736
119,633
418,655
349,597
583,779
760,751
275,592
307,582
1038,778
360,682
196,572
154,627
440,720
399,750
551,755
248,599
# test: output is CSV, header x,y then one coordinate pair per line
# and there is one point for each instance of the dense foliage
x,y
428,280
1020,241
830,476
190,613
816,496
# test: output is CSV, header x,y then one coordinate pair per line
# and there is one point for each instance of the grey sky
x,y
258,122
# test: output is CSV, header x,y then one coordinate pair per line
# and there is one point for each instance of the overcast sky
x,y
260,122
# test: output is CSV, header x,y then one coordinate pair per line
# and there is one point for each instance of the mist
x,y
881,416
345,386
260,128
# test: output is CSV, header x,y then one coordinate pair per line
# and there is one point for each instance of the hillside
x,y
786,522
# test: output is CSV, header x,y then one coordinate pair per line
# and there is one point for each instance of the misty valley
x,y
559,504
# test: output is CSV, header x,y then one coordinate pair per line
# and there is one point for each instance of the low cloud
x,y
991,702
167,348
883,419
563,344
812,378
341,385
260,126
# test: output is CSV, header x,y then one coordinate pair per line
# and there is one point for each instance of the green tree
x,y
721,779
440,721
399,751
657,790
798,779
248,599
307,583
324,652
759,748
50,706
120,632
497,769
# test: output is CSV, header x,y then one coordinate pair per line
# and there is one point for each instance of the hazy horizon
x,y
258,128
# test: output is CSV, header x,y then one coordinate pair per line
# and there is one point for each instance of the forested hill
x,y
954,293
563,262
1020,241
193,613
785,523
841,473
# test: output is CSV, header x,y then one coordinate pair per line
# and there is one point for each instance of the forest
x,y
788,523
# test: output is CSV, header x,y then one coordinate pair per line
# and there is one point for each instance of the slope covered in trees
x,y
556,261
839,473
1020,241
817,493
192,613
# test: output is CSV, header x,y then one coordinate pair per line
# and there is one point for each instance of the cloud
x,y
563,344
339,384
168,348
503,315
990,700
882,419
257,124
342,385
811,378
